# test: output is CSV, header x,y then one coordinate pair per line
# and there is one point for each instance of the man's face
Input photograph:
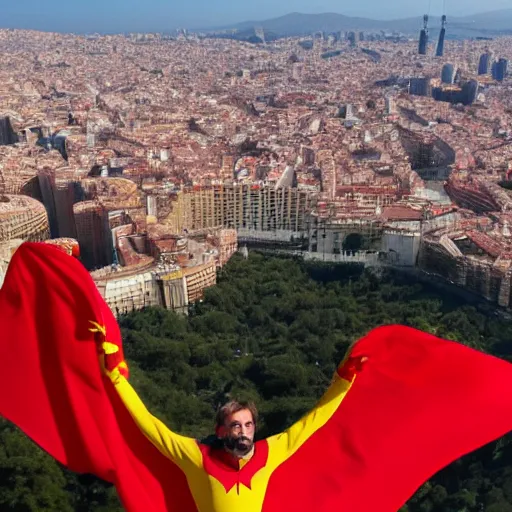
x,y
238,433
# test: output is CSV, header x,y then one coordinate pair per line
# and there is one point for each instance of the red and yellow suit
x,y
377,434
215,484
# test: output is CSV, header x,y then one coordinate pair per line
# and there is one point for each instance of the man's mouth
x,y
240,444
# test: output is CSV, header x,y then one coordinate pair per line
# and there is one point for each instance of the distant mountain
x,y
492,23
297,24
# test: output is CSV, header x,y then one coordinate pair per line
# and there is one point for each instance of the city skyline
x,y
159,16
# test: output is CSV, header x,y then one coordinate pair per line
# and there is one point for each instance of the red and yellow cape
x,y
418,404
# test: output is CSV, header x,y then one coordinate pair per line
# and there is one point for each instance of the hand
x,y
351,367
110,355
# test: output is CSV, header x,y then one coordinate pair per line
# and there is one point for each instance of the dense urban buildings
x,y
161,155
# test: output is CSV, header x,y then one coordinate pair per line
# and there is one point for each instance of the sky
x,y
113,16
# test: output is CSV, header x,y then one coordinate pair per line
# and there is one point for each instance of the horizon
x,y
84,19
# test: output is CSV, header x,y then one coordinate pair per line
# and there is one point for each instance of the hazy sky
x,y
158,15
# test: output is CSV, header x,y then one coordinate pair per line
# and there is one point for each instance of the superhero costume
x,y
213,481
418,404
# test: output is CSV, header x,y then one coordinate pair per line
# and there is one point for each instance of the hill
x,y
298,24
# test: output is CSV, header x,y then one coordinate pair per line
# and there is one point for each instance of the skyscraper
x,y
469,92
423,44
448,74
419,86
505,67
499,71
483,64
442,33
494,69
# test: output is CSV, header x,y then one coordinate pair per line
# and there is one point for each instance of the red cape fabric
x,y
419,403
52,388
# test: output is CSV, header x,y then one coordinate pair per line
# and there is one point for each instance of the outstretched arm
x,y
179,449
284,445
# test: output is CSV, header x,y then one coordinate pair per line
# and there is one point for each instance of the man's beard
x,y
239,446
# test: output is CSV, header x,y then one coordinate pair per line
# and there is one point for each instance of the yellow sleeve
x,y
180,449
284,445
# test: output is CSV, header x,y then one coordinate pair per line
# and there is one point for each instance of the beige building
x,y
248,206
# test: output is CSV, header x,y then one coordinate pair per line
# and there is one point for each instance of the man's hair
x,y
234,406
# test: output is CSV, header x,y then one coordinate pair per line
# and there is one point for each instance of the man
x,y
234,473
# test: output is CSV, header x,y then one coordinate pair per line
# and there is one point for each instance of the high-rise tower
x,y
423,45
448,74
483,64
440,43
500,69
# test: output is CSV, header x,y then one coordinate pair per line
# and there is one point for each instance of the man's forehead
x,y
242,415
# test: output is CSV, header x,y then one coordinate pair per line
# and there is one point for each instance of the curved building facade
x,y
448,74
22,217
